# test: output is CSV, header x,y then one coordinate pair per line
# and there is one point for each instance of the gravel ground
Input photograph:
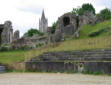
x,y
53,79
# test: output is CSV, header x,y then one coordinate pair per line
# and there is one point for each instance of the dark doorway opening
x,y
0,37
66,21
1,29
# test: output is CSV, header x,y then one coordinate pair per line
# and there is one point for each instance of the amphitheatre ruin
x,y
75,43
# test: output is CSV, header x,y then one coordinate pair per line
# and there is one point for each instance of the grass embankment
x,y
91,37
102,29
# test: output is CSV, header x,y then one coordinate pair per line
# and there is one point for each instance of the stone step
x,y
75,55
81,53
71,56
2,69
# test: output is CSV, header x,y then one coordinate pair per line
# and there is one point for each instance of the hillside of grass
x,y
100,29
91,37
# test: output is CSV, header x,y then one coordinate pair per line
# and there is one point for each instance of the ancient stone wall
x,y
87,18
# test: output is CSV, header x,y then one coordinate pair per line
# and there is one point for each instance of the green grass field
x,y
12,56
102,40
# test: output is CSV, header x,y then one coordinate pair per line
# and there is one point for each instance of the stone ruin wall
x,y
16,35
6,33
68,24
72,61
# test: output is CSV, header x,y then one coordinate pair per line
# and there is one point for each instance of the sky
x,y
25,14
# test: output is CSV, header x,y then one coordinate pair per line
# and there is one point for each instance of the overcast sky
x,y
25,14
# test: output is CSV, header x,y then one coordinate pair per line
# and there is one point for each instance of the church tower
x,y
43,23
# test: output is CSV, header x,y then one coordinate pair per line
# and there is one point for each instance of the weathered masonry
x,y
6,33
72,61
67,25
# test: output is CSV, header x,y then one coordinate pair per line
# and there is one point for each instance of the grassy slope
x,y
88,29
83,43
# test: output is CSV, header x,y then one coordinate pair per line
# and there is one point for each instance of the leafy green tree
x,y
32,31
106,14
88,7
53,28
85,7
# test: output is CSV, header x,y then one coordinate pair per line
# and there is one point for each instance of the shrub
x,y
5,47
97,33
39,45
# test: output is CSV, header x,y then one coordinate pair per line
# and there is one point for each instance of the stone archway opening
x,y
80,67
66,21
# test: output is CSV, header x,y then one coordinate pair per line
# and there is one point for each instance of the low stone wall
x,y
73,61
51,66
101,67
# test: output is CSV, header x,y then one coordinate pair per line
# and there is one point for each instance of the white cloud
x,y
25,14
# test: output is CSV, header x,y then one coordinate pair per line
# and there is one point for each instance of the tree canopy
x,y
106,14
85,7
33,31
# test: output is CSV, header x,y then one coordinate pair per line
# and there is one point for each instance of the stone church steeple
x,y
43,23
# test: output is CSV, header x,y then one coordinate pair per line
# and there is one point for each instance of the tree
x,y
88,7
106,14
32,31
53,28
85,7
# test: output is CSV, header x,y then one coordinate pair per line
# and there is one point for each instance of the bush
x,y
5,47
39,45
93,34
24,47
97,33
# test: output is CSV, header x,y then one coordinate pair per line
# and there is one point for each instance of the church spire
x,y
43,14
43,23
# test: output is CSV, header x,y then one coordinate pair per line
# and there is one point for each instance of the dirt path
x,y
52,79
